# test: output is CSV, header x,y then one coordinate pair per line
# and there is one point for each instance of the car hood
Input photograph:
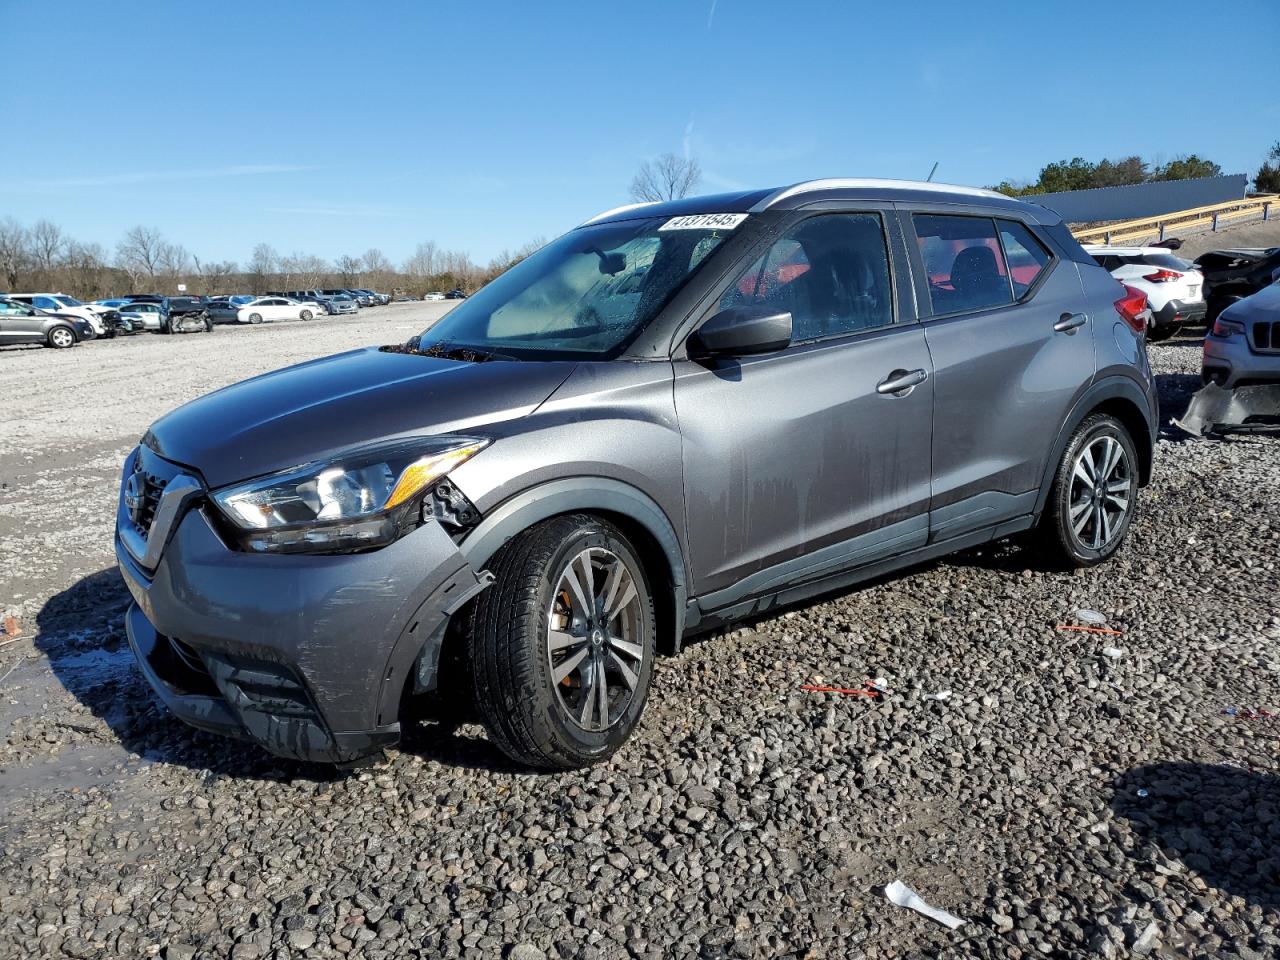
x,y
1263,305
318,409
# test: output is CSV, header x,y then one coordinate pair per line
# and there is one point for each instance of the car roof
x,y
805,193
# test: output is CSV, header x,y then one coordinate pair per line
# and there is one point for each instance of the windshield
x,y
585,295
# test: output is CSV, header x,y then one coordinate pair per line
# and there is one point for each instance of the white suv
x,y
91,313
1174,287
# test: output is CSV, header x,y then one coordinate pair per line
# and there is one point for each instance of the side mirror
x,y
741,332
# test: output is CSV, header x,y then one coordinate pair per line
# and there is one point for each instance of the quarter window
x,y
963,262
1026,255
831,272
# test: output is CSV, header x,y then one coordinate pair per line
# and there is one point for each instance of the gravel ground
x,y
1065,799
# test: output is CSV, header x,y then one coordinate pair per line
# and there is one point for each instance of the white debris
x,y
901,895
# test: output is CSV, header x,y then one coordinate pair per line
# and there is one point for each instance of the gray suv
x,y
672,417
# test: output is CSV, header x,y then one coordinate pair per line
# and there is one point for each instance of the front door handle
x,y
1068,322
900,381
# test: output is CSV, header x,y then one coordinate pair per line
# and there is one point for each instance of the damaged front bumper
x,y
308,656
1215,409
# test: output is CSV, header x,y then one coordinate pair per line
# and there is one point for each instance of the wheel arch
x,y
633,511
1123,399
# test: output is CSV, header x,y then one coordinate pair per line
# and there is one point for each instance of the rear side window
x,y
1026,256
963,263
831,272
1166,261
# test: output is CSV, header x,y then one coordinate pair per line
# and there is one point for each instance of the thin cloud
x,y
711,16
155,176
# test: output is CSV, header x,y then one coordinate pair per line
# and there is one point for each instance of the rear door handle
x,y
900,381
1068,322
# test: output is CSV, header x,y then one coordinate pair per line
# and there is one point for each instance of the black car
x,y
455,294
1232,275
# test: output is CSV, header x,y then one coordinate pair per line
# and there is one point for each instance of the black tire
x,y
60,338
306,315
1060,540
255,318
1158,334
523,708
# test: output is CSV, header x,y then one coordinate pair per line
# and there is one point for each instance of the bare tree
x,y
507,259
311,270
262,266
214,274
86,265
174,261
349,268
668,177
139,254
15,251
47,241
423,262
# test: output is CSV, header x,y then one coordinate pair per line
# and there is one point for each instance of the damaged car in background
x,y
673,417
1233,275
1241,369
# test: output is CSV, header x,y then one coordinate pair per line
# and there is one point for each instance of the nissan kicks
x,y
675,416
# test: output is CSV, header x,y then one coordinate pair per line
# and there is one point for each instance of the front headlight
x,y
365,499
1227,328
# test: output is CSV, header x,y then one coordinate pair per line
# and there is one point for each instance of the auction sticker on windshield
x,y
705,221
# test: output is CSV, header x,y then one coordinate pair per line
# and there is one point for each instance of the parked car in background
x,y
120,324
153,316
433,295
375,299
1243,346
318,303
341,304
299,546
176,314
267,309
1232,275
358,301
20,322
65,305
1174,287
455,294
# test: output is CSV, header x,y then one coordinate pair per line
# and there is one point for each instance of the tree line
x,y
43,257
1081,174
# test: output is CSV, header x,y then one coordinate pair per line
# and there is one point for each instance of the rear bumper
x,y
307,656
1178,312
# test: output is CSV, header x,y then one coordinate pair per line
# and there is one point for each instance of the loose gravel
x,y
1064,801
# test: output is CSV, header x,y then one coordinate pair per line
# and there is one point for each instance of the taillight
x,y
1132,308
1163,276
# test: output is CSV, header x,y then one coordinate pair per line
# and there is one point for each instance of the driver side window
x,y
831,272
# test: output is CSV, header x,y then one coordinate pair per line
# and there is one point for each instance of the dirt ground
x,y
1066,793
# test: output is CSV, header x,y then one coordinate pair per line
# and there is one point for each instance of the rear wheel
x,y
1094,494
1157,334
62,337
306,314
255,318
562,644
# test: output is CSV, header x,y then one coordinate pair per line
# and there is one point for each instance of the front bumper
x,y
1229,362
308,656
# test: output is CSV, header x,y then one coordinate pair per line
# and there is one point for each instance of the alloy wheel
x,y
1101,492
62,337
593,639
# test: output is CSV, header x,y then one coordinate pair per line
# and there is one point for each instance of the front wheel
x,y
562,644
255,318
1094,494
62,337
306,315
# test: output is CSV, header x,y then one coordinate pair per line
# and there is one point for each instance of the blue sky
x,y
330,128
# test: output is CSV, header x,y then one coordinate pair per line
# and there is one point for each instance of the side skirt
x,y
698,620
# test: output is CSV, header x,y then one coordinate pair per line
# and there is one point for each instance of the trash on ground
x,y
1142,792
873,689
1214,409
1249,713
1091,617
940,695
11,627
1078,629
901,895
1115,653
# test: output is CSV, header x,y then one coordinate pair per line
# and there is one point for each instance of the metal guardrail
x,y
1212,216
